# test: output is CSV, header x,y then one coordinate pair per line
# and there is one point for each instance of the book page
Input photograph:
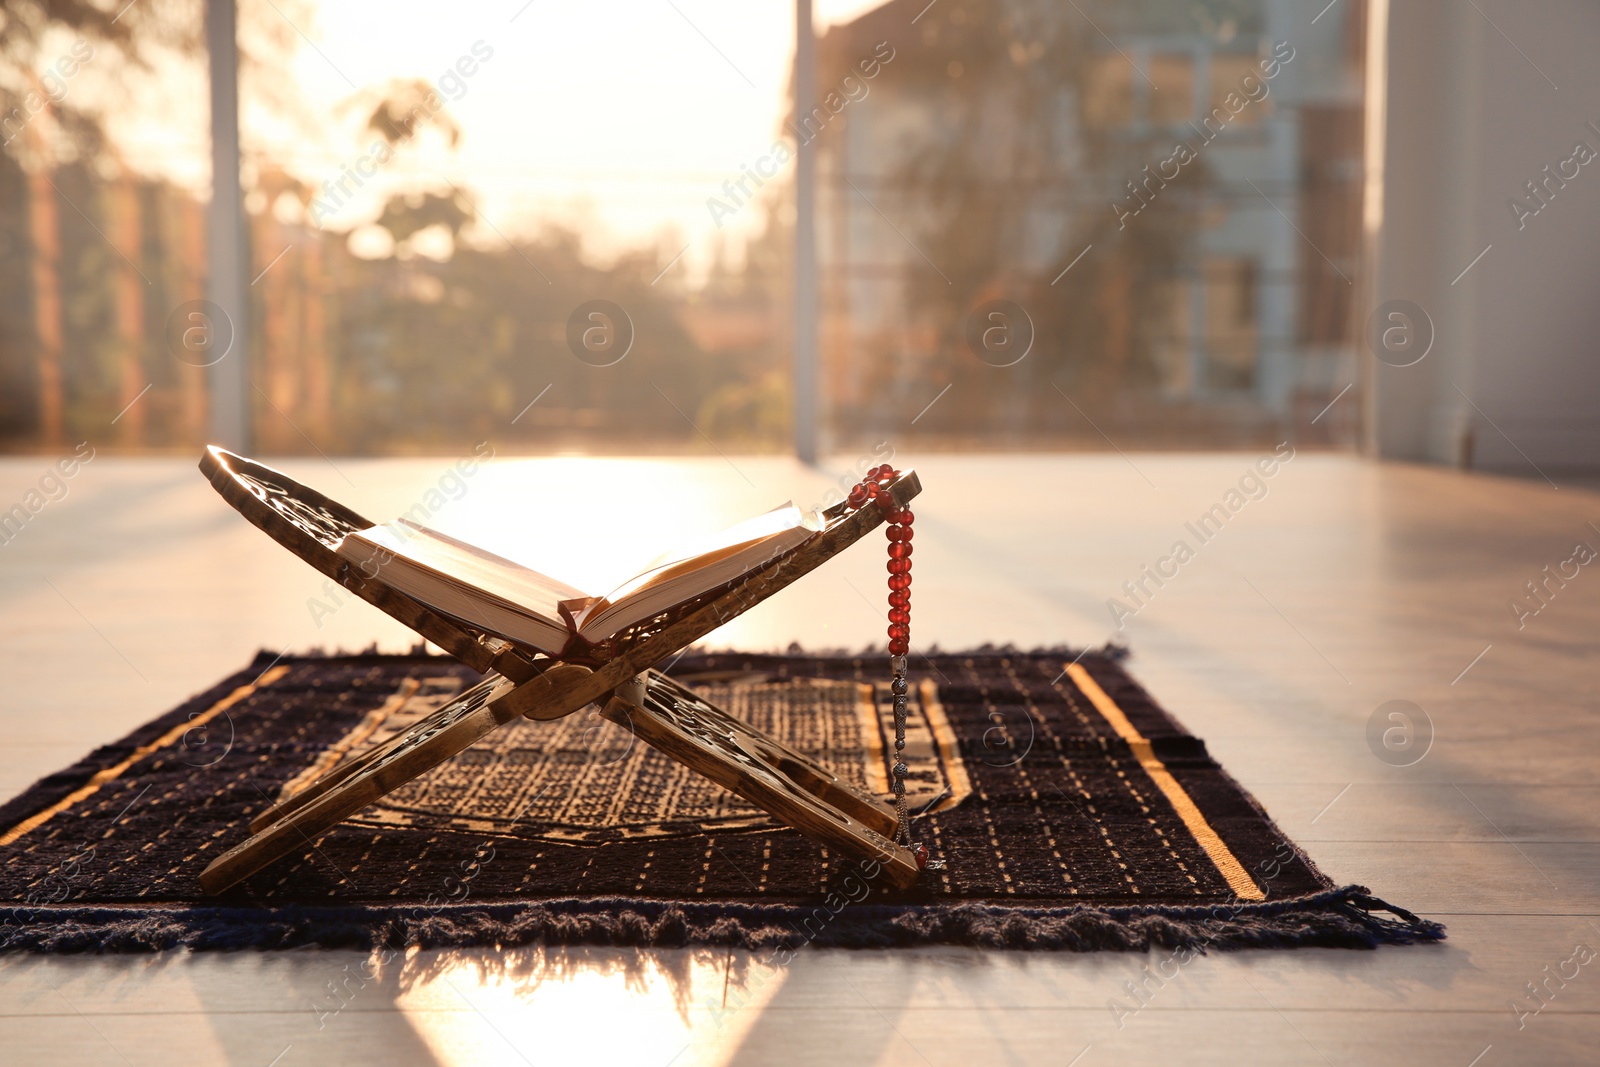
x,y
710,549
723,558
476,568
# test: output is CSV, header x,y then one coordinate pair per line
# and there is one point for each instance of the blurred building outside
x,y
1247,327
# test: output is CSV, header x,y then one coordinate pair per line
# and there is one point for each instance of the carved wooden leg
x,y
419,748
763,770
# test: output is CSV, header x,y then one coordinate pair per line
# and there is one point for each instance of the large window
x,y
465,225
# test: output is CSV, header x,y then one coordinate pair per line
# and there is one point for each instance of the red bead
x,y
857,497
899,648
899,550
921,854
905,533
899,598
900,615
905,518
897,582
899,566
899,629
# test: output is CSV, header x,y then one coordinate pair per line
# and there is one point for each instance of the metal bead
x,y
897,664
900,770
899,743
899,788
898,687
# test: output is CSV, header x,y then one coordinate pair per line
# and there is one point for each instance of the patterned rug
x,y
1069,809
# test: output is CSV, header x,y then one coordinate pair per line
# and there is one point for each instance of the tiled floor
x,y
1346,586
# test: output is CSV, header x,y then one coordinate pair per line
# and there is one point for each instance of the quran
x,y
547,649
521,604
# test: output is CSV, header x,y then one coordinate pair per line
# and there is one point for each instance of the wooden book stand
x,y
522,681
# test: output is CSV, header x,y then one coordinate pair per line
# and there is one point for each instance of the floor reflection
x,y
575,1004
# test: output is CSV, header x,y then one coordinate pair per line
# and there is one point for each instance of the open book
x,y
505,598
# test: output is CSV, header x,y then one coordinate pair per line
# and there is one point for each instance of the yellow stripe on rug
x,y
1226,862
341,748
109,774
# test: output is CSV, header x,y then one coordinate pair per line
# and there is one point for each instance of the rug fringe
x,y
1341,918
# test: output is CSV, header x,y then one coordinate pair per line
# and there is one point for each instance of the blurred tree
x,y
402,107
55,119
439,351
409,213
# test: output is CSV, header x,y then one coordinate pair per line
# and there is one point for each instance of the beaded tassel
x,y
898,529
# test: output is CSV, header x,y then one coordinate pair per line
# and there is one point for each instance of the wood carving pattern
x,y
695,717
807,796
473,700
316,520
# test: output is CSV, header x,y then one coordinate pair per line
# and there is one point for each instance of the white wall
x,y
1471,115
